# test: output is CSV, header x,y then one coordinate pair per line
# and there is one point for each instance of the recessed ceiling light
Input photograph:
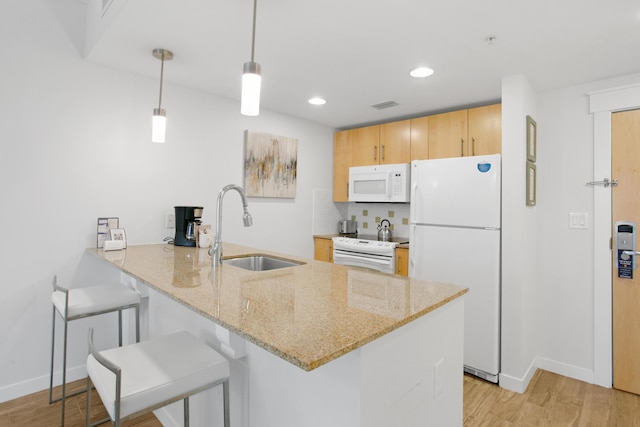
x,y
317,101
421,72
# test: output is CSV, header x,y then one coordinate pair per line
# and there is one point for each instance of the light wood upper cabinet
x,y
365,144
472,132
420,138
395,142
448,135
341,164
381,144
485,130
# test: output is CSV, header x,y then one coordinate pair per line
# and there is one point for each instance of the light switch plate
x,y
579,220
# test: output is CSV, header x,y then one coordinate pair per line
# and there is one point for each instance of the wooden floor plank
x,y
626,409
550,400
35,410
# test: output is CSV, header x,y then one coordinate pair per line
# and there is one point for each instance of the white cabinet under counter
x,y
310,345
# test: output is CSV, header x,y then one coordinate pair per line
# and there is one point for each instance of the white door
x,y
469,258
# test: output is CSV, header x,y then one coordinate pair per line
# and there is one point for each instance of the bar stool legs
x,y
158,372
86,302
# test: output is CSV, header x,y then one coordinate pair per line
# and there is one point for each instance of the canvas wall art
x,y
270,165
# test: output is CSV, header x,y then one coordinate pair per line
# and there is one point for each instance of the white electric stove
x,y
366,251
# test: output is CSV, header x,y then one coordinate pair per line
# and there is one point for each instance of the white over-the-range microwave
x,y
380,183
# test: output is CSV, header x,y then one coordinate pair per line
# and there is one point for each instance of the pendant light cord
x,y
161,78
253,39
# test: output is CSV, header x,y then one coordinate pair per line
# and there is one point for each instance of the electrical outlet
x,y
170,220
438,378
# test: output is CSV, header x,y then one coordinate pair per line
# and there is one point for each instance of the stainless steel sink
x,y
260,262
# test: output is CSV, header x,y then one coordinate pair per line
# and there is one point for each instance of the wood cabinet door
x,y
395,142
420,138
402,261
485,130
448,135
341,164
323,249
365,144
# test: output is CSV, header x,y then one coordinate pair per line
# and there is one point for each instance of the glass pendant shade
x,y
251,82
159,125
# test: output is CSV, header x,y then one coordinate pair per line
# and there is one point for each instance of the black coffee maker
x,y
187,220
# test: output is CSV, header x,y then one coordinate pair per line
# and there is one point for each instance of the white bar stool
x,y
142,377
72,304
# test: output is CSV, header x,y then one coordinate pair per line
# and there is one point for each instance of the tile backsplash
x,y
369,216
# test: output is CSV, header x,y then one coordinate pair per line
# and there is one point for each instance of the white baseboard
x,y
33,385
519,385
566,370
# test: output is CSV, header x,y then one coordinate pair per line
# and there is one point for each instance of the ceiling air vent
x,y
383,105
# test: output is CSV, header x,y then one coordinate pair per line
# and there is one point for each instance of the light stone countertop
x,y
308,314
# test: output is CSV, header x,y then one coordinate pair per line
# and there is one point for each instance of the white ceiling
x,y
357,53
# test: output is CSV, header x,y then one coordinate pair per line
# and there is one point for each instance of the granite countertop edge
x,y
307,364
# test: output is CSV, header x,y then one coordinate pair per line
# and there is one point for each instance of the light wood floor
x,y
550,400
34,410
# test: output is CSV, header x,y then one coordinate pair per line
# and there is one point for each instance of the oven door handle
x,y
360,258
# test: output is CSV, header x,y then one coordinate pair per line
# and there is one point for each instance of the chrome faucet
x,y
216,249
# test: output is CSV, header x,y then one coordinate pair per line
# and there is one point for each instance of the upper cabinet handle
x,y
473,146
375,152
382,152
461,147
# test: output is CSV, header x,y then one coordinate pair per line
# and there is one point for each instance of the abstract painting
x,y
270,165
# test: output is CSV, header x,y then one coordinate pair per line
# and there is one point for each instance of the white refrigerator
x,y
455,238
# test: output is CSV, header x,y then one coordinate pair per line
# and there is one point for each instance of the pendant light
x,y
159,123
251,79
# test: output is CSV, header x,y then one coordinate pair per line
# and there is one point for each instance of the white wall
x,y
548,268
566,297
565,279
519,243
75,145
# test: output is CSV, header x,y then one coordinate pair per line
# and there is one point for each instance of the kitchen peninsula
x,y
325,344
